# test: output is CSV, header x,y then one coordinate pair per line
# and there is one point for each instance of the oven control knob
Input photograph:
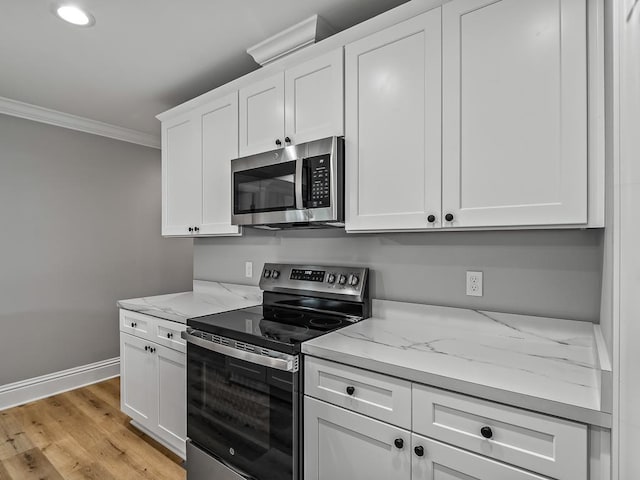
x,y
275,274
342,279
267,273
331,278
353,280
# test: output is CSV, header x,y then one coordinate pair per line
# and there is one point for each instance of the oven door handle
x,y
298,183
285,364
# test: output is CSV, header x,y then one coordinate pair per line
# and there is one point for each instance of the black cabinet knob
x,y
431,218
351,390
419,450
278,142
398,442
146,347
169,335
486,432
287,140
191,229
133,325
196,229
448,217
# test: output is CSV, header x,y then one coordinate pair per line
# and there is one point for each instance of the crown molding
x,y
74,122
302,34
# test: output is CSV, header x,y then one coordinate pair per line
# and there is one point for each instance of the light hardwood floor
x,y
81,434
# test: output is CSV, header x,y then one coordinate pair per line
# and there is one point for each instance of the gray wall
x,y
80,229
546,273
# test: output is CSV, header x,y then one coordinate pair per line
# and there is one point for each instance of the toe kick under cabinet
x,y
361,425
153,377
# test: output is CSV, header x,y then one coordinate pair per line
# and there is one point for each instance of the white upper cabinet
x,y
392,127
180,175
314,98
197,150
514,112
301,104
219,127
262,115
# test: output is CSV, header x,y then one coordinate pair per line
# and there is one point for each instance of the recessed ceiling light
x,y
74,15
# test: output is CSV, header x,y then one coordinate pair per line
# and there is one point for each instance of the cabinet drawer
x,y
551,446
167,333
136,324
440,461
378,396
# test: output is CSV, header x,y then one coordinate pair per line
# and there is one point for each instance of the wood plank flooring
x,y
81,434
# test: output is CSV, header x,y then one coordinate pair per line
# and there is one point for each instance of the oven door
x,y
243,411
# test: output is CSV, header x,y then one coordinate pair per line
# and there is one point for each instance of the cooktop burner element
x,y
325,322
300,302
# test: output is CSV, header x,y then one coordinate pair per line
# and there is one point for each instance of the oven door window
x,y
265,189
242,413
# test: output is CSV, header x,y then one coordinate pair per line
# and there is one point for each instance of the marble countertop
x,y
205,299
543,364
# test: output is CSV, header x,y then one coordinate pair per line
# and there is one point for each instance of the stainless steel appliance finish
x,y
244,371
347,283
299,186
249,353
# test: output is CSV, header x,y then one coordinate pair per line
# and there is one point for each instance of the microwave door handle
x,y
298,184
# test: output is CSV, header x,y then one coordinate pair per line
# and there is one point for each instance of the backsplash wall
x,y
555,273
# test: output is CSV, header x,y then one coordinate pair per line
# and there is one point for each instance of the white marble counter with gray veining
x,y
205,299
543,364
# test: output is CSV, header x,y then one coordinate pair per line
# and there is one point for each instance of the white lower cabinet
x,y
342,445
449,436
153,387
438,461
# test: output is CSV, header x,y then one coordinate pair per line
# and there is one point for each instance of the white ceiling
x,y
143,57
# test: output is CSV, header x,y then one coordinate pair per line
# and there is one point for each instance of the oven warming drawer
x,y
202,466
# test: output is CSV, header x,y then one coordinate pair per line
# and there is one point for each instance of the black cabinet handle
x,y
350,390
133,325
287,140
146,347
278,142
419,450
398,442
196,229
169,335
191,229
431,218
486,432
448,217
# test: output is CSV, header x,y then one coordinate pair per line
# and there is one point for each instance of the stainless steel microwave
x,y
299,186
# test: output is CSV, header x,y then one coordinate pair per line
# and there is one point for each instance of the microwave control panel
x,y
320,179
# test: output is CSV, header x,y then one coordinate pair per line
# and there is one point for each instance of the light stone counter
x,y
205,299
543,364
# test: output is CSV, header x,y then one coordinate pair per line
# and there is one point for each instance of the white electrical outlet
x,y
474,284
248,269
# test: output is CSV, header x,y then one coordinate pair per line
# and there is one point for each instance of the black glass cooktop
x,y
277,328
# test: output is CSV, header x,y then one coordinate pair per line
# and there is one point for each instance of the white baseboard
x,y
25,391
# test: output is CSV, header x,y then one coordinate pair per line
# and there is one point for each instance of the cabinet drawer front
x,y
444,462
378,396
548,445
136,324
168,333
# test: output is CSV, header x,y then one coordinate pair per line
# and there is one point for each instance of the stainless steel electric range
x,y
244,372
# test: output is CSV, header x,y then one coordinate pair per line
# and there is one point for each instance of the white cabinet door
x,y
438,461
314,98
171,381
181,174
515,112
262,115
219,129
137,395
392,127
342,445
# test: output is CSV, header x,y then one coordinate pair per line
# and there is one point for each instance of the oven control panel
x,y
343,281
